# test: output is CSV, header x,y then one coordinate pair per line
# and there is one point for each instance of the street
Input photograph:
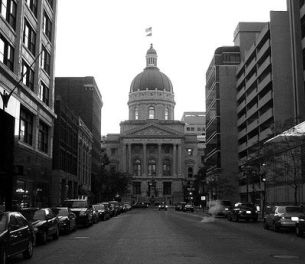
x,y
151,236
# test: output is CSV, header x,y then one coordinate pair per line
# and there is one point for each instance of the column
x,y
179,160
174,161
159,171
144,160
124,158
129,158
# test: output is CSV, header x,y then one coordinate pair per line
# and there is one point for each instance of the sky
x,y
106,39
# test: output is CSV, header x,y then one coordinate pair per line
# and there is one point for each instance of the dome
x,y
151,78
151,50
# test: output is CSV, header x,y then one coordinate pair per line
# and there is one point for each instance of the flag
x,y
148,30
149,34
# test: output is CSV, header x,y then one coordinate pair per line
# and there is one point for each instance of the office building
x,y
27,54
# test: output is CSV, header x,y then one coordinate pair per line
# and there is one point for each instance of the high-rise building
x,y
296,11
264,95
221,133
82,96
152,146
195,124
27,54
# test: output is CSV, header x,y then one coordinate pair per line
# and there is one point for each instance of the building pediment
x,y
152,130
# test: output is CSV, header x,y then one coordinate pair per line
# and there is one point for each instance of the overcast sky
x,y
106,39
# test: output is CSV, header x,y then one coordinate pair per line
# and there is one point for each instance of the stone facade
x,y
152,147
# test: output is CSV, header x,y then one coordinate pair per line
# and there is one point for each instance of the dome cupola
x,y
151,92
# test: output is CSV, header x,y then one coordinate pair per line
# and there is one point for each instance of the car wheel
x,y
56,235
44,237
266,225
28,253
3,256
229,218
275,227
298,231
255,219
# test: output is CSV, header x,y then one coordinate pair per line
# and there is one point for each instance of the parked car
x,y
95,215
82,209
180,206
188,208
115,207
140,205
101,211
16,236
243,211
44,221
219,208
300,227
108,209
282,217
67,219
126,207
162,206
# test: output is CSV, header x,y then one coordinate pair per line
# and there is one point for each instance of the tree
x,y
109,183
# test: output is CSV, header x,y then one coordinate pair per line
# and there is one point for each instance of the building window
x,y
151,112
137,167
32,4
29,37
113,151
189,152
6,53
167,188
47,26
44,93
166,168
166,113
188,129
28,75
43,135
136,188
151,167
45,60
136,113
8,11
190,172
26,126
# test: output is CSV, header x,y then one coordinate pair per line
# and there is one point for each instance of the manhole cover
x,y
285,256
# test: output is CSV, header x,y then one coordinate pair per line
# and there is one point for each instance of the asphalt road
x,y
149,236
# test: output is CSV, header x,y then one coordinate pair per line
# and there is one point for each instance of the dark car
x,y
188,208
140,205
16,236
107,209
243,211
82,209
67,219
115,208
102,213
300,227
44,221
180,206
282,217
162,206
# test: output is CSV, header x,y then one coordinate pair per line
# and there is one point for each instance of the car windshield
x,y
62,212
39,215
76,204
3,221
294,209
226,203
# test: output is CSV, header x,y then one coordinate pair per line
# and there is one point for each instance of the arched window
x,y
166,113
137,167
151,167
151,112
166,168
190,172
136,113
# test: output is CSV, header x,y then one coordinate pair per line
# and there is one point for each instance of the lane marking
x,y
81,237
